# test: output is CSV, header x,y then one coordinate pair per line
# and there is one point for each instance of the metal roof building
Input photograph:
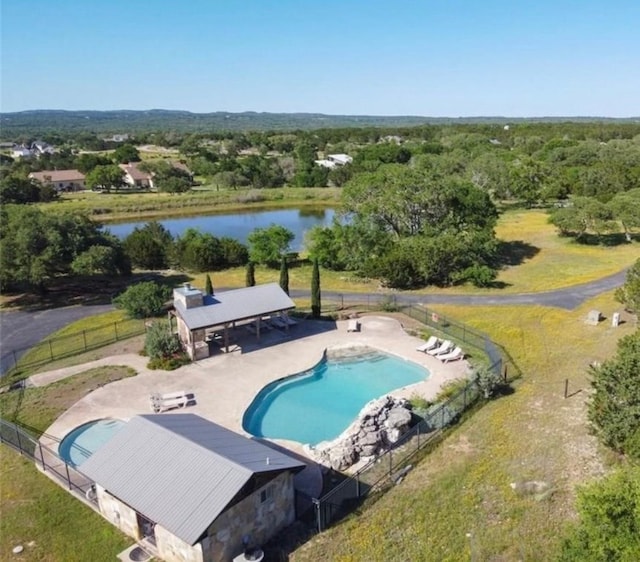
x,y
180,470
233,306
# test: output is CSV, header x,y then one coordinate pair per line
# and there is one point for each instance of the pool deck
x,y
224,385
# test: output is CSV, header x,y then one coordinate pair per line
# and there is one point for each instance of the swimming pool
x,y
78,445
320,403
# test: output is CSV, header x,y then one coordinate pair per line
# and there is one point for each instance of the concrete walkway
x,y
223,386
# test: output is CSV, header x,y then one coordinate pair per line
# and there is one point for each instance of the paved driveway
x,y
20,330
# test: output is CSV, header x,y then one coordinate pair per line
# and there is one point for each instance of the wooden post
x,y
566,388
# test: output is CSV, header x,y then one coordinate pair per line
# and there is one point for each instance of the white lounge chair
x,y
431,343
457,353
163,402
353,326
444,347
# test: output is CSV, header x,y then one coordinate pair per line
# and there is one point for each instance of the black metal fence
x,y
391,466
27,444
69,345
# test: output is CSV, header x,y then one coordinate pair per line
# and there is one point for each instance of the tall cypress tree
x,y
251,274
284,275
316,307
208,285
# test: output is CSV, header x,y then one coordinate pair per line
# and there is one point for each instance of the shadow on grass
x,y
86,291
608,240
515,252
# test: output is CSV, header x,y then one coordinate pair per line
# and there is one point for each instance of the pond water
x,y
240,225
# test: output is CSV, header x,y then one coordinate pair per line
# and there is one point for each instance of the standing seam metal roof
x,y
238,304
180,470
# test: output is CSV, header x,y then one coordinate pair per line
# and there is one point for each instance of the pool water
x,y
78,445
321,403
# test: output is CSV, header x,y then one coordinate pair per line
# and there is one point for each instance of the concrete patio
x,y
224,385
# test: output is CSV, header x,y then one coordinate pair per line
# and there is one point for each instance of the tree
x,y
126,153
609,527
87,162
316,306
629,293
251,274
96,260
208,286
268,245
105,177
284,275
36,247
15,189
160,342
150,246
143,300
614,408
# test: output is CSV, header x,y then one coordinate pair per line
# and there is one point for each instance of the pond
x,y
240,225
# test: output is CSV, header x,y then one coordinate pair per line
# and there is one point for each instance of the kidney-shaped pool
x,y
319,404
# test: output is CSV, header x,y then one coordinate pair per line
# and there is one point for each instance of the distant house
x,y
340,159
201,317
135,177
117,138
333,160
41,147
191,490
61,180
21,151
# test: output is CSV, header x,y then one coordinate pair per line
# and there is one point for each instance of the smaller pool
x,y
78,445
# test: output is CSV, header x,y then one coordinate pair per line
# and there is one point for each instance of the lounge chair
x,y
457,353
444,347
289,320
278,322
163,402
431,343
353,326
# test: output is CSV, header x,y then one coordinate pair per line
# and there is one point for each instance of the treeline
x,y
36,248
40,122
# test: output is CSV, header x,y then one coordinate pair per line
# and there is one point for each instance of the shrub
x,y
160,343
489,382
143,300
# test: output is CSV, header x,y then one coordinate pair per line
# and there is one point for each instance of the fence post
x,y
84,339
418,434
358,484
66,466
50,351
464,333
316,502
390,462
44,466
115,329
15,359
18,438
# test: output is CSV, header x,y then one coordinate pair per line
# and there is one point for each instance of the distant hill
x,y
105,122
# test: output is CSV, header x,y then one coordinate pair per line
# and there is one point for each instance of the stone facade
x,y
251,522
256,518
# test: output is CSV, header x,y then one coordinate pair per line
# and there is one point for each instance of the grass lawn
x,y
463,488
109,207
37,513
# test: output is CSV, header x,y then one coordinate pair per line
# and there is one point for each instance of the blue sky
x,y
401,57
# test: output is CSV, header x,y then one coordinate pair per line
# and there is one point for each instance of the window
x,y
266,494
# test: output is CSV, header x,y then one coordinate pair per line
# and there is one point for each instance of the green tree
x,y
614,408
87,162
150,246
268,245
143,300
284,275
96,260
126,153
160,342
251,275
609,526
105,177
316,305
629,293
15,189
208,285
